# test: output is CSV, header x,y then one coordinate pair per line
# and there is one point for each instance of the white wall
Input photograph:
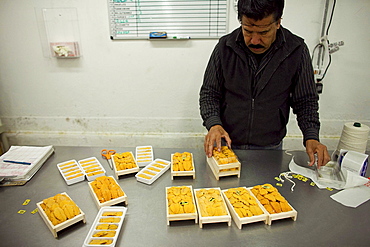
x,y
137,92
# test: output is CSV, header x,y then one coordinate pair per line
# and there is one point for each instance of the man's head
x,y
260,20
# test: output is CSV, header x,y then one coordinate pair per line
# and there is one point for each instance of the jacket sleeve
x,y
210,93
305,99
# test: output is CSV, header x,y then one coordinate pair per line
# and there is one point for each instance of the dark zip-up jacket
x,y
251,101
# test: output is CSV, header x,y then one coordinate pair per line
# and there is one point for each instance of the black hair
x,y
259,9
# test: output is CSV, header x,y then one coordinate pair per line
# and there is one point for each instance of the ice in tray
x,y
71,172
106,192
153,171
106,227
275,204
244,206
182,164
59,216
124,163
211,206
144,155
180,204
92,168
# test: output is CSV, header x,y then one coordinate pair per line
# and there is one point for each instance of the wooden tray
x,y
246,220
55,229
122,199
277,216
217,169
185,216
126,171
182,173
212,219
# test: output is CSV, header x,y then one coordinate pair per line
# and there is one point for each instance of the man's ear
x,y
278,23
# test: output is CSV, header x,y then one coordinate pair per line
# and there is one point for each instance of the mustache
x,y
256,46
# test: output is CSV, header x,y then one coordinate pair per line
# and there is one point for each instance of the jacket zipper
x,y
251,120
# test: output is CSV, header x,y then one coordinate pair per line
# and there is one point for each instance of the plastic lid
x,y
357,124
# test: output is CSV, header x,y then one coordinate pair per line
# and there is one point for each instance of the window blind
x,y
135,19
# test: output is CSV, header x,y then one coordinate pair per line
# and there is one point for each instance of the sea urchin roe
x,y
106,189
124,161
271,199
243,203
226,156
182,162
180,200
210,203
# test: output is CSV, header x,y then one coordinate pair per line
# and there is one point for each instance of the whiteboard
x,y
135,19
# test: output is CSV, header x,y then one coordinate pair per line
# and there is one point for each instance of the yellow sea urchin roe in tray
x,y
226,156
106,227
104,234
106,189
149,173
144,176
210,202
124,161
182,162
243,203
101,242
112,213
110,220
271,199
153,169
59,208
180,200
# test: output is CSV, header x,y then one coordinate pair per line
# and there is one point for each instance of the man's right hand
x,y
215,134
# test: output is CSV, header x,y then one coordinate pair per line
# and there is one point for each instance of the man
x,y
254,75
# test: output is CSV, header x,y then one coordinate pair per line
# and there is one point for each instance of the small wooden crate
x,y
212,219
185,216
246,220
92,168
218,170
96,230
71,172
144,155
55,229
277,216
283,215
124,172
182,173
122,199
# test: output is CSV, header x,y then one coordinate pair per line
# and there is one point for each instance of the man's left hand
x,y
315,147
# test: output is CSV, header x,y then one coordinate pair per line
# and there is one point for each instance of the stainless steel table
x,y
321,221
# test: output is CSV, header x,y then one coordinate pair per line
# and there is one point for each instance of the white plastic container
x,y
92,168
71,172
153,171
96,232
144,155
